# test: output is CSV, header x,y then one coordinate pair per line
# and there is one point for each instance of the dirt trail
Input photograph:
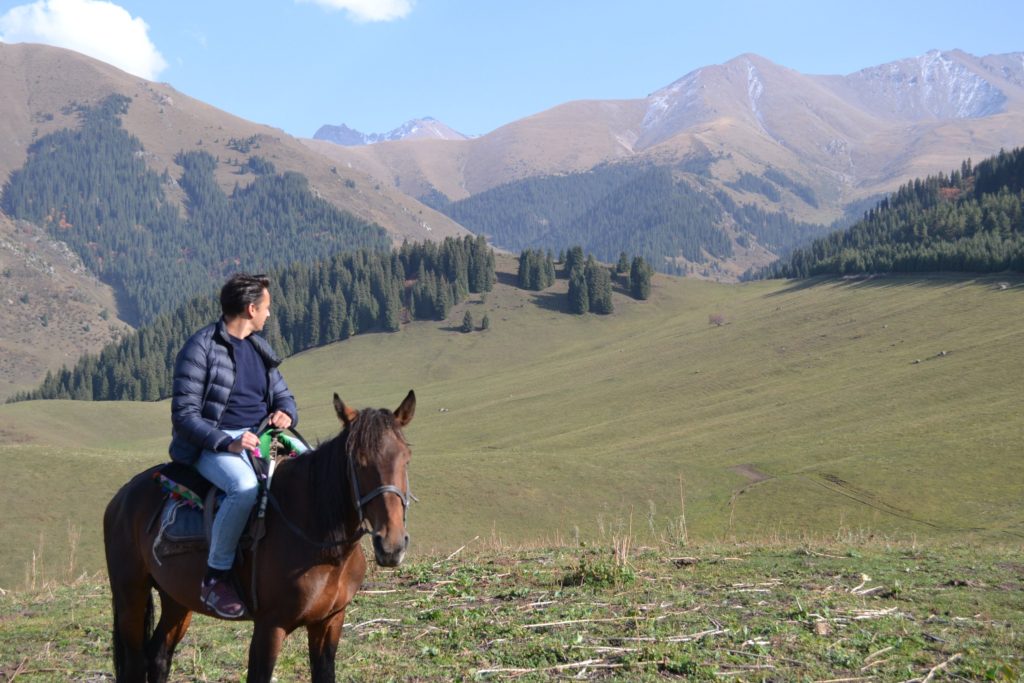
x,y
753,474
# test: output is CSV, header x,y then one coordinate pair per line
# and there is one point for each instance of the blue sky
x,y
479,64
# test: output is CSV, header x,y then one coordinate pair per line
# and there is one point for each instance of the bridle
x,y
361,500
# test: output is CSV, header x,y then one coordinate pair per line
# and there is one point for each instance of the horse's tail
x,y
119,650
119,572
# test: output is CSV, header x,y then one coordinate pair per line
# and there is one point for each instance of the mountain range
x,y
427,128
847,138
746,134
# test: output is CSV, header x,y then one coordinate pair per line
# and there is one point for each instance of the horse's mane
x,y
367,432
329,489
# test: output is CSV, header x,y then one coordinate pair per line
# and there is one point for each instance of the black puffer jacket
x,y
204,375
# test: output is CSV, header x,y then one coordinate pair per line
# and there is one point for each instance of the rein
x,y
297,530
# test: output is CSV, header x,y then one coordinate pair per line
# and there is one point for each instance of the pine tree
x,y
573,259
623,265
392,309
579,298
640,279
599,287
313,324
467,322
443,299
335,317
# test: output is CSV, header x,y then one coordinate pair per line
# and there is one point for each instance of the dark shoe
x,y
220,596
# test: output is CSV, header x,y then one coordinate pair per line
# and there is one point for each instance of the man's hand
x,y
246,442
280,419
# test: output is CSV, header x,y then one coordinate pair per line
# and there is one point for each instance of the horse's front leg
x,y
264,648
323,646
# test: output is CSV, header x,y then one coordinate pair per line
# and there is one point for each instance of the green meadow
x,y
885,407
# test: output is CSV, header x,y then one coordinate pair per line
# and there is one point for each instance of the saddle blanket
x,y
180,521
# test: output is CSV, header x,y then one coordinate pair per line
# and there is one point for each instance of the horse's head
x,y
378,471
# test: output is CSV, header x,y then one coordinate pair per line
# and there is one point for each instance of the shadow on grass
x,y
510,279
551,301
997,281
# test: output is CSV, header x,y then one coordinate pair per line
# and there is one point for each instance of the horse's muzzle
x,y
389,554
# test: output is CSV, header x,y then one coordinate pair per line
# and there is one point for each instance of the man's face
x,y
260,311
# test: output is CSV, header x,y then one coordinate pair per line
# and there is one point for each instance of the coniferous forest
x,y
639,209
656,212
590,283
314,304
969,220
92,189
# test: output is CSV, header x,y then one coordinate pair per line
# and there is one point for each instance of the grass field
x,y
888,406
846,610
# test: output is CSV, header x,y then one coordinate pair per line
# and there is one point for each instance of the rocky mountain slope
x,y
52,309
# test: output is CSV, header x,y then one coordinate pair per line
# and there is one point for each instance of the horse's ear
x,y
403,415
346,414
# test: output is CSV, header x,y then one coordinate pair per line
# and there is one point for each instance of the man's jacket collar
x,y
262,345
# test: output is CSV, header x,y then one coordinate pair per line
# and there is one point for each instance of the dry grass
x,y
817,611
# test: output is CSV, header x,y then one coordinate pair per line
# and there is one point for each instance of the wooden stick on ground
x,y
461,548
940,667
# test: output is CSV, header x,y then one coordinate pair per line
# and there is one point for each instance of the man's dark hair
x,y
240,290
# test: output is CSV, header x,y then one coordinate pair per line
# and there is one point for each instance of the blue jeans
x,y
233,474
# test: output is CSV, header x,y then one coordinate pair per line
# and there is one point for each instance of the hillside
x,y
52,309
676,222
89,187
40,83
969,220
314,304
45,90
845,138
805,412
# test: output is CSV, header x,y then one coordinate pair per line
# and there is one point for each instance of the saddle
x,y
186,517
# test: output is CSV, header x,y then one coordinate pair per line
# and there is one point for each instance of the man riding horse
x,y
226,382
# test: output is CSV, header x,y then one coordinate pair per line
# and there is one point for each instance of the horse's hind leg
x,y
132,597
133,620
174,622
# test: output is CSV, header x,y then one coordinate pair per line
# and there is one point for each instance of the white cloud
x,y
96,28
369,10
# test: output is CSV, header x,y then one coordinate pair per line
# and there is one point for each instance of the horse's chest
x,y
321,595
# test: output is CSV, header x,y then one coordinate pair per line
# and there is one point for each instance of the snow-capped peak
x,y
933,85
416,129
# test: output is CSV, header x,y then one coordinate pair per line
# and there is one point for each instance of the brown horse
x,y
310,563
